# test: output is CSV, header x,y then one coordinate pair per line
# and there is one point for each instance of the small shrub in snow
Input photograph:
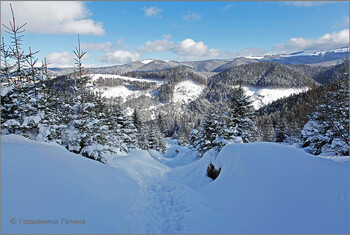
x,y
212,172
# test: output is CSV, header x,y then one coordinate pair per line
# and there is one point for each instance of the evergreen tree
x,y
239,118
143,139
136,120
265,128
211,129
327,131
156,139
160,123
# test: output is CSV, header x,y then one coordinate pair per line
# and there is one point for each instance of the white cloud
x,y
189,49
228,6
157,46
191,16
60,59
121,57
307,3
152,12
327,41
66,17
64,59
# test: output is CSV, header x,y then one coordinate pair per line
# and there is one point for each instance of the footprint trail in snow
x,y
167,206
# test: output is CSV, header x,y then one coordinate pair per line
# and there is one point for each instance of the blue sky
x,y
116,32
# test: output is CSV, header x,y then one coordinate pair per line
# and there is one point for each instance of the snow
x,y
254,57
281,189
263,96
123,91
5,90
119,91
317,53
184,92
146,61
140,165
187,91
262,188
45,181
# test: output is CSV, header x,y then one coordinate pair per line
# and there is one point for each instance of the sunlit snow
x,y
187,91
264,96
146,61
262,188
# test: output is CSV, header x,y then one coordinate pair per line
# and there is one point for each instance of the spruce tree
x,y
211,129
327,131
265,128
136,120
239,117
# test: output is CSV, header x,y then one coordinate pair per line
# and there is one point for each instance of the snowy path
x,y
167,205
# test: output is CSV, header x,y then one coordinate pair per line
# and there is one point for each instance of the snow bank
x,y
270,188
262,188
140,165
41,181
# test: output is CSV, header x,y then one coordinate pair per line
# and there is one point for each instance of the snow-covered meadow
x,y
262,188
264,96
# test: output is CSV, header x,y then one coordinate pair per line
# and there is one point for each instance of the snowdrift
x,y
41,181
271,188
262,188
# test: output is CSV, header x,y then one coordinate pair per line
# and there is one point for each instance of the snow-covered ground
x,y
146,61
184,92
187,91
262,188
41,181
124,92
264,96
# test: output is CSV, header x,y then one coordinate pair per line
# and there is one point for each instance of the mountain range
x,y
212,66
172,87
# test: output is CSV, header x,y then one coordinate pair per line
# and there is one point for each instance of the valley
x,y
174,117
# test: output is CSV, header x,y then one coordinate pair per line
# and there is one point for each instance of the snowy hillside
x,y
124,91
262,188
187,91
263,96
184,92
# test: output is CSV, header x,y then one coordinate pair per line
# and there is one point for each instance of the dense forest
x,y
64,110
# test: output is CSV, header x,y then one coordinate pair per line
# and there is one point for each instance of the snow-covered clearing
x,y
264,96
146,61
123,91
187,91
262,188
